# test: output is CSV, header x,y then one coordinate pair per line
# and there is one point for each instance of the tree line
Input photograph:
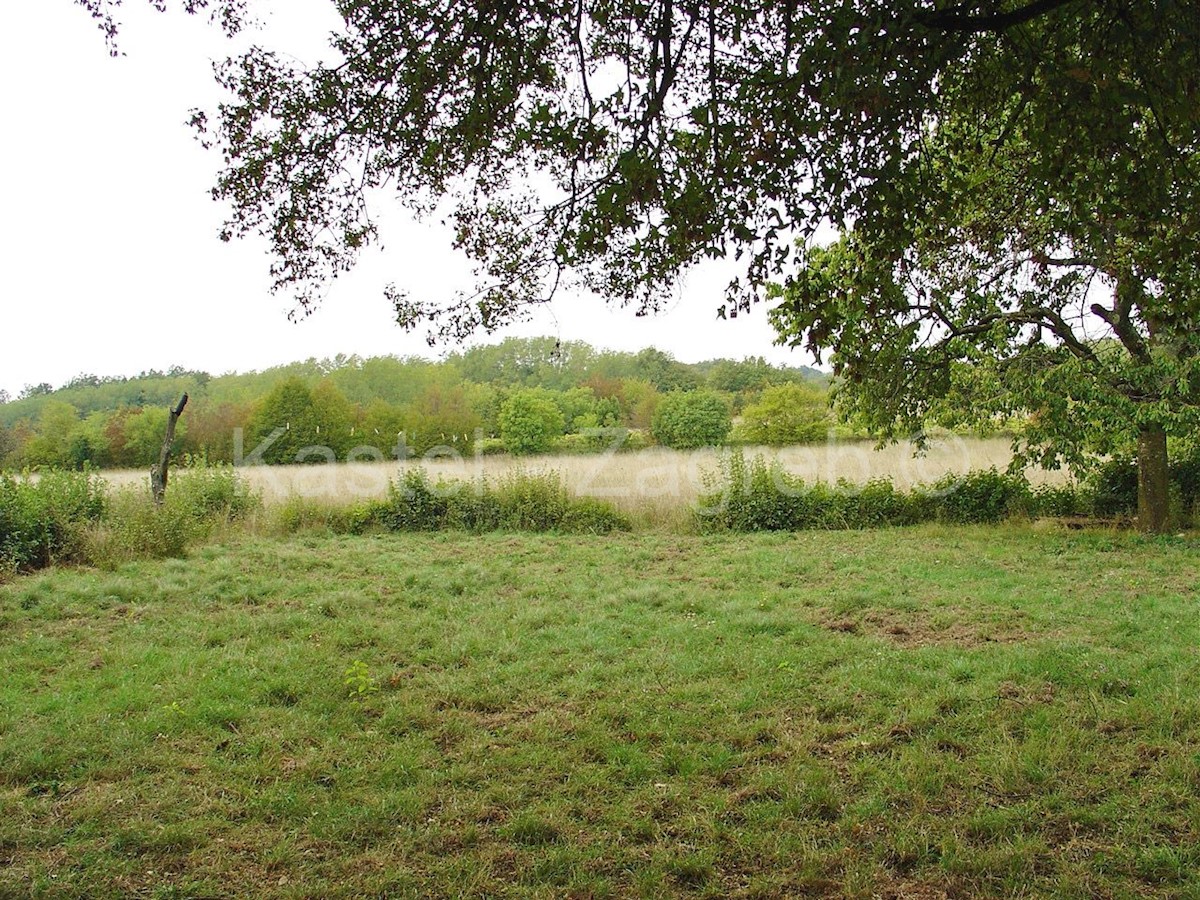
x,y
523,395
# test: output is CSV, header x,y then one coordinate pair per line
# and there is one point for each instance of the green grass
x,y
923,712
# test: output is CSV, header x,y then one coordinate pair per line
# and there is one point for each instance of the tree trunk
x,y
158,475
1153,480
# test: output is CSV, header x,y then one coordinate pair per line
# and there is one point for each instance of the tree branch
x,y
961,18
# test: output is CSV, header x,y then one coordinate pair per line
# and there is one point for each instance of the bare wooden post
x,y
158,475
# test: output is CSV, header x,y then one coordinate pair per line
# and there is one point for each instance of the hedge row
x,y
760,496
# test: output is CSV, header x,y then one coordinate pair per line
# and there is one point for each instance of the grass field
x,y
922,713
656,485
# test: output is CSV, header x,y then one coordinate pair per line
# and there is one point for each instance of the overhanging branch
x,y
964,18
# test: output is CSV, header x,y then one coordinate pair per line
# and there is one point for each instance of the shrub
x,y
41,519
518,502
787,414
979,497
211,494
413,504
685,421
602,440
135,528
1185,479
530,422
1063,500
490,447
1114,487
760,496
297,514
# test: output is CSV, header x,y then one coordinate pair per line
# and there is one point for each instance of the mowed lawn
x,y
917,713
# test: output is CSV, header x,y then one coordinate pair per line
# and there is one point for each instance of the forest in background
x,y
523,395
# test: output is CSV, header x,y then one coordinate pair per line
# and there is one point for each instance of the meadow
x,y
924,712
657,485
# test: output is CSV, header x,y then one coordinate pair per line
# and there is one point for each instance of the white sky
x,y
110,260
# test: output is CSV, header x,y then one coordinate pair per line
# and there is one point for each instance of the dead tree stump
x,y
158,475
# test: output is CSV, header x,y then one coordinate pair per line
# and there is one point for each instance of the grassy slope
x,y
897,713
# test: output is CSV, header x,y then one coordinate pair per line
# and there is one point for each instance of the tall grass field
x,y
656,484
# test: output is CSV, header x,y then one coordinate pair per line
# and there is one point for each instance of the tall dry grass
x,y
656,485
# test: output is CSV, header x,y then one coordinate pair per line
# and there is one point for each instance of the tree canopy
x,y
1014,182
379,408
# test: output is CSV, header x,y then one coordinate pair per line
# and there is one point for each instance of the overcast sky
x,y
111,263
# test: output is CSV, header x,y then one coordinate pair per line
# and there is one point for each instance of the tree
x,y
1038,256
36,390
787,414
530,422
663,371
442,417
742,377
211,427
333,417
689,420
1056,141
230,14
51,444
283,424
8,444
382,426
527,362
640,400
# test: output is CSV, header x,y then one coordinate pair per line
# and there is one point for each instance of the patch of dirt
x,y
912,890
1026,694
914,628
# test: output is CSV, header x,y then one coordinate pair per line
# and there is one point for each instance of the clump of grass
x,y
212,494
515,502
136,529
198,503
299,514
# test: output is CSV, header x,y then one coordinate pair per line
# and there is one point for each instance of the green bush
x,y
490,447
215,493
978,497
41,518
530,422
134,528
787,414
1114,487
518,502
297,514
413,504
197,501
1185,479
602,440
686,421
1061,500
760,496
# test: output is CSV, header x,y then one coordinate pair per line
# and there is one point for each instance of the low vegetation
x,y
77,517
521,502
74,517
984,711
760,495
